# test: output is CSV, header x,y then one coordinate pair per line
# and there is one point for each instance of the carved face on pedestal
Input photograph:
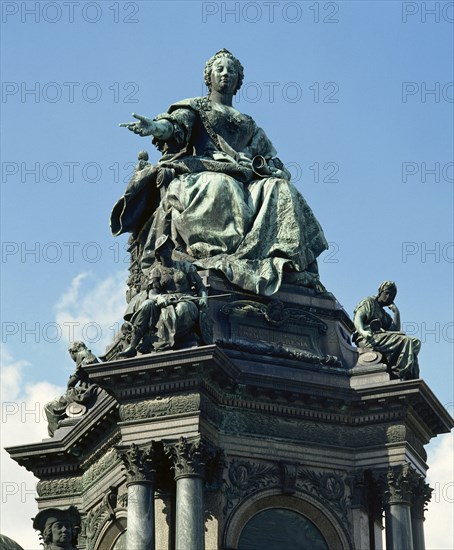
x,y
58,535
58,527
62,534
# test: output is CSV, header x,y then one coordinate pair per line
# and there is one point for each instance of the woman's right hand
x,y
145,126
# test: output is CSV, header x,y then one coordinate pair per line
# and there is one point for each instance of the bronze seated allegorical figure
x,y
377,330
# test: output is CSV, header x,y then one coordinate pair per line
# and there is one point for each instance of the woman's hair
x,y
209,67
387,285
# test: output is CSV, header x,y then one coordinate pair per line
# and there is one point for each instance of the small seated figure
x,y
59,527
79,389
167,310
377,330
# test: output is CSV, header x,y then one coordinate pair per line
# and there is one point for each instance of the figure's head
x,y
59,533
387,292
164,247
75,347
58,527
224,72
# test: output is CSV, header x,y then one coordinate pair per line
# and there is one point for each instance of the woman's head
x,y
217,59
387,292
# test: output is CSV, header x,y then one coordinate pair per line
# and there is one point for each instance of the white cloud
x,y
22,421
92,310
10,375
439,525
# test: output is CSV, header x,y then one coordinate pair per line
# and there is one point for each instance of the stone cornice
x,y
228,382
62,456
279,385
425,407
273,388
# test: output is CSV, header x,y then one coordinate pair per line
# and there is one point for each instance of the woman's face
x,y
224,76
387,296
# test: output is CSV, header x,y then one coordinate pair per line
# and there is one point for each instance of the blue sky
x,y
356,96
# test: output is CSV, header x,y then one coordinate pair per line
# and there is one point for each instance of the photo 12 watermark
x,y
435,332
271,12
427,12
427,92
332,255
90,172
18,492
285,92
53,252
427,252
427,172
69,92
65,172
51,332
69,12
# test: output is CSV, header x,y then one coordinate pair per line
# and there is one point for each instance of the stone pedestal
x,y
306,429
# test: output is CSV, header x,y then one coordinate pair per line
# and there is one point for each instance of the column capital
x,y
190,457
141,463
421,496
400,484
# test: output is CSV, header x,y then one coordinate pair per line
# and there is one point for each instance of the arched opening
x,y
120,542
113,534
275,521
280,528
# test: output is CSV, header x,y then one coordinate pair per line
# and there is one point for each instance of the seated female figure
x,y
226,199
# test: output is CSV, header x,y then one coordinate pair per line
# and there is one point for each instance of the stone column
x,y
189,460
421,496
398,518
141,467
366,497
359,505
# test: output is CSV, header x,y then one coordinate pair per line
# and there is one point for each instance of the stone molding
x,y
275,313
99,516
59,487
99,468
76,485
161,406
101,449
246,477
